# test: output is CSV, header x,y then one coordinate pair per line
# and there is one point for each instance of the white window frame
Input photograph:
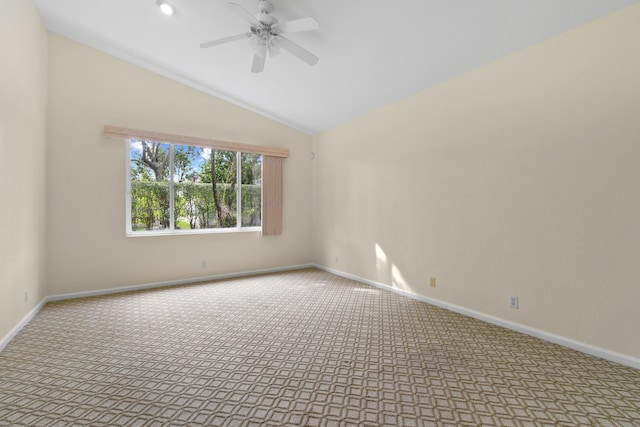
x,y
171,231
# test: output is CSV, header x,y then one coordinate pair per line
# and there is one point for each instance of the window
x,y
154,211
184,188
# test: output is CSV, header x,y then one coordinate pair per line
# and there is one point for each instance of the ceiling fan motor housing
x,y
267,20
265,6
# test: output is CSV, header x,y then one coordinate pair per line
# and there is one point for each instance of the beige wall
x,y
23,67
87,247
518,178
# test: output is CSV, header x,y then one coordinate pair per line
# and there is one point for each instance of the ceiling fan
x,y
265,35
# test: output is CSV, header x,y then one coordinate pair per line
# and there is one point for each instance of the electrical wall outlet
x,y
203,264
337,259
513,302
432,282
26,296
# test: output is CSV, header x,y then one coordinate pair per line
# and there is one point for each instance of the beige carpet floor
x,y
297,348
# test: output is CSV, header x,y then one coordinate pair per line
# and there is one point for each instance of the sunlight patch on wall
x,y
382,262
384,267
397,280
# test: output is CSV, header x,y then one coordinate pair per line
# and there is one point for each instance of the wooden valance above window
x,y
126,133
271,174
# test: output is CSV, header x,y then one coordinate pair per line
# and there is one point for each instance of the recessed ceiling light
x,y
166,7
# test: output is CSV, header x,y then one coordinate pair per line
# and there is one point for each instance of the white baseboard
x,y
108,291
13,332
7,338
547,336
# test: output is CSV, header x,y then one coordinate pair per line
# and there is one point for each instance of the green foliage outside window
x,y
205,187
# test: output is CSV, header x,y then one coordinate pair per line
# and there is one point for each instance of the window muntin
x,y
181,188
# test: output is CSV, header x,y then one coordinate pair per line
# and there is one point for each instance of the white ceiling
x,y
372,53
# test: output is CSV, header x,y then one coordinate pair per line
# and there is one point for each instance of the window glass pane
x,y
193,197
227,178
251,190
149,186
205,197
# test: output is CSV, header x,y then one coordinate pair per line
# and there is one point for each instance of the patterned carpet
x,y
298,348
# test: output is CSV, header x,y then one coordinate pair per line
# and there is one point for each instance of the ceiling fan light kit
x,y
265,34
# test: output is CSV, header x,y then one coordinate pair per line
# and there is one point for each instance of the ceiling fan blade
x,y
258,63
296,25
302,53
244,14
225,40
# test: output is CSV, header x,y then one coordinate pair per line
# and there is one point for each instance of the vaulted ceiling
x,y
372,53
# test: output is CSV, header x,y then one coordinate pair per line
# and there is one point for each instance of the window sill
x,y
193,232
